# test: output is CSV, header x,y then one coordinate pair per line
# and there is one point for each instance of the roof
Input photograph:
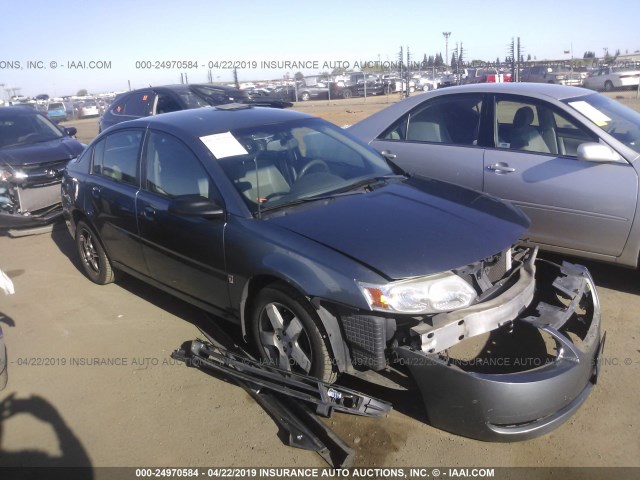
x,y
8,112
210,120
558,92
185,86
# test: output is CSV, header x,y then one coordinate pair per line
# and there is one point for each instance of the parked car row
x,y
60,111
605,78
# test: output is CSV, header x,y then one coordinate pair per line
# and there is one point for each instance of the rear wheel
x,y
305,96
95,262
288,333
346,93
608,86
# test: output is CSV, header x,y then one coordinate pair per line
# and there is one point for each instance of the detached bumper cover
x,y
8,220
521,401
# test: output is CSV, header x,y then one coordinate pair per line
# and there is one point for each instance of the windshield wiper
x,y
352,189
371,182
315,198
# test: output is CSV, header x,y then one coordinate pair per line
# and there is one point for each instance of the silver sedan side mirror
x,y
597,152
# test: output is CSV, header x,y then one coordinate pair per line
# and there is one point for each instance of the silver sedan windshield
x,y
619,121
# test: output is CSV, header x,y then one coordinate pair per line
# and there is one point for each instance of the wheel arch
x,y
328,322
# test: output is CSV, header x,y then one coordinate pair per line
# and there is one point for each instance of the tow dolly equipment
x,y
277,390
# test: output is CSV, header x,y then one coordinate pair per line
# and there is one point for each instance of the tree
x,y
82,92
529,58
298,76
454,60
589,54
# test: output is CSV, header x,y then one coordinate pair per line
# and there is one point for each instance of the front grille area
x,y
367,337
43,173
34,199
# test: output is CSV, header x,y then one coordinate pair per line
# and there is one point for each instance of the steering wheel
x,y
275,195
28,136
312,164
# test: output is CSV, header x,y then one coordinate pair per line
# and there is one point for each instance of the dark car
x,y
33,153
354,85
170,98
331,261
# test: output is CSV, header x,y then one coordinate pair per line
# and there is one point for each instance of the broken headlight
x,y
9,174
442,292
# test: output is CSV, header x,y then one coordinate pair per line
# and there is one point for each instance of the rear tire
x,y
94,259
289,334
608,86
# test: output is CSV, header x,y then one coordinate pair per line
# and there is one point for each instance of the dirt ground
x,y
91,382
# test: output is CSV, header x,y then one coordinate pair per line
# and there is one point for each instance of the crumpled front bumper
x,y
29,206
8,220
495,397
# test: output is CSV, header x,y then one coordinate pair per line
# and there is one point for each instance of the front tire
x,y
94,259
288,333
608,86
305,97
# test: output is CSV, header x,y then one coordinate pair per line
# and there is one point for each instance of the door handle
x,y
388,155
149,213
500,168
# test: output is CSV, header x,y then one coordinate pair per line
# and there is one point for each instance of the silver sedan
x,y
567,156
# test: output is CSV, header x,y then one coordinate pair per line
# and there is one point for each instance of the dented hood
x,y
410,228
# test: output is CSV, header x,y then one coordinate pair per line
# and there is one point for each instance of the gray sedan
x,y
567,156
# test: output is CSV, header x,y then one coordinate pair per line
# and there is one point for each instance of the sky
x,y
49,47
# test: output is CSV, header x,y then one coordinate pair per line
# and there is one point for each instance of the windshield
x,y
205,95
26,130
272,166
619,121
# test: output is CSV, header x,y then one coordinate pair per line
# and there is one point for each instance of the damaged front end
x,y
516,364
30,194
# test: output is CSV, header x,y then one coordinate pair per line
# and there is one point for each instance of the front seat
x,y
524,136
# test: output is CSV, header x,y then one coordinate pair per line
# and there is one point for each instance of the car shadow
x,y
63,240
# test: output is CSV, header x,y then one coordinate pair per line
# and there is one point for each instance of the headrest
x,y
523,117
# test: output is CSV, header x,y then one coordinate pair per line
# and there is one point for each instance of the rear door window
x,y
139,104
116,156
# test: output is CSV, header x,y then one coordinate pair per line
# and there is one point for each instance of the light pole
x,y
446,46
